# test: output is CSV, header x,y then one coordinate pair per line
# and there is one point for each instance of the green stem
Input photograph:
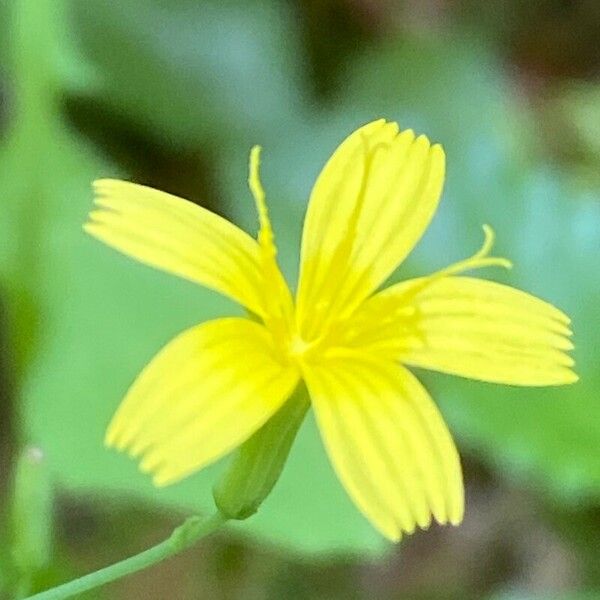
x,y
183,537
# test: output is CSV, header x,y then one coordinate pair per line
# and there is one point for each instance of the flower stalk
x,y
258,463
184,536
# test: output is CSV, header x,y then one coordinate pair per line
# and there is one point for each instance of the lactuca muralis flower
x,y
215,384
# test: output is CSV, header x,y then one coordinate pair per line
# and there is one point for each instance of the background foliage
x,y
173,95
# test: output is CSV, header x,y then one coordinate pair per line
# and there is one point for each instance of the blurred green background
x,y
173,94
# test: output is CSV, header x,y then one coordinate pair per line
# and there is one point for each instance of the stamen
x,y
266,238
277,298
479,260
488,242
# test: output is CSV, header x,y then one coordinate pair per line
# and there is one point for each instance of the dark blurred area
x,y
173,94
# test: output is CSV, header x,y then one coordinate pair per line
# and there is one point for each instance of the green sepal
x,y
257,464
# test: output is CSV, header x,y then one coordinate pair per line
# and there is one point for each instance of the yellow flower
x,y
215,384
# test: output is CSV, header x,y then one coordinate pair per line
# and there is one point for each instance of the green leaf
x,y
197,71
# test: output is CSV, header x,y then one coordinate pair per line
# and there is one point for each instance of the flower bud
x,y
257,464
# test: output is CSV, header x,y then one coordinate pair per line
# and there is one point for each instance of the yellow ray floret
x,y
390,184
387,441
198,399
469,327
216,384
488,331
179,237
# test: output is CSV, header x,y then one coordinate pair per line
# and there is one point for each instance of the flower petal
x,y
369,207
470,327
387,441
204,394
179,237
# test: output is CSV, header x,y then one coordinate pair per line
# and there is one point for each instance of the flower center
x,y
300,349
